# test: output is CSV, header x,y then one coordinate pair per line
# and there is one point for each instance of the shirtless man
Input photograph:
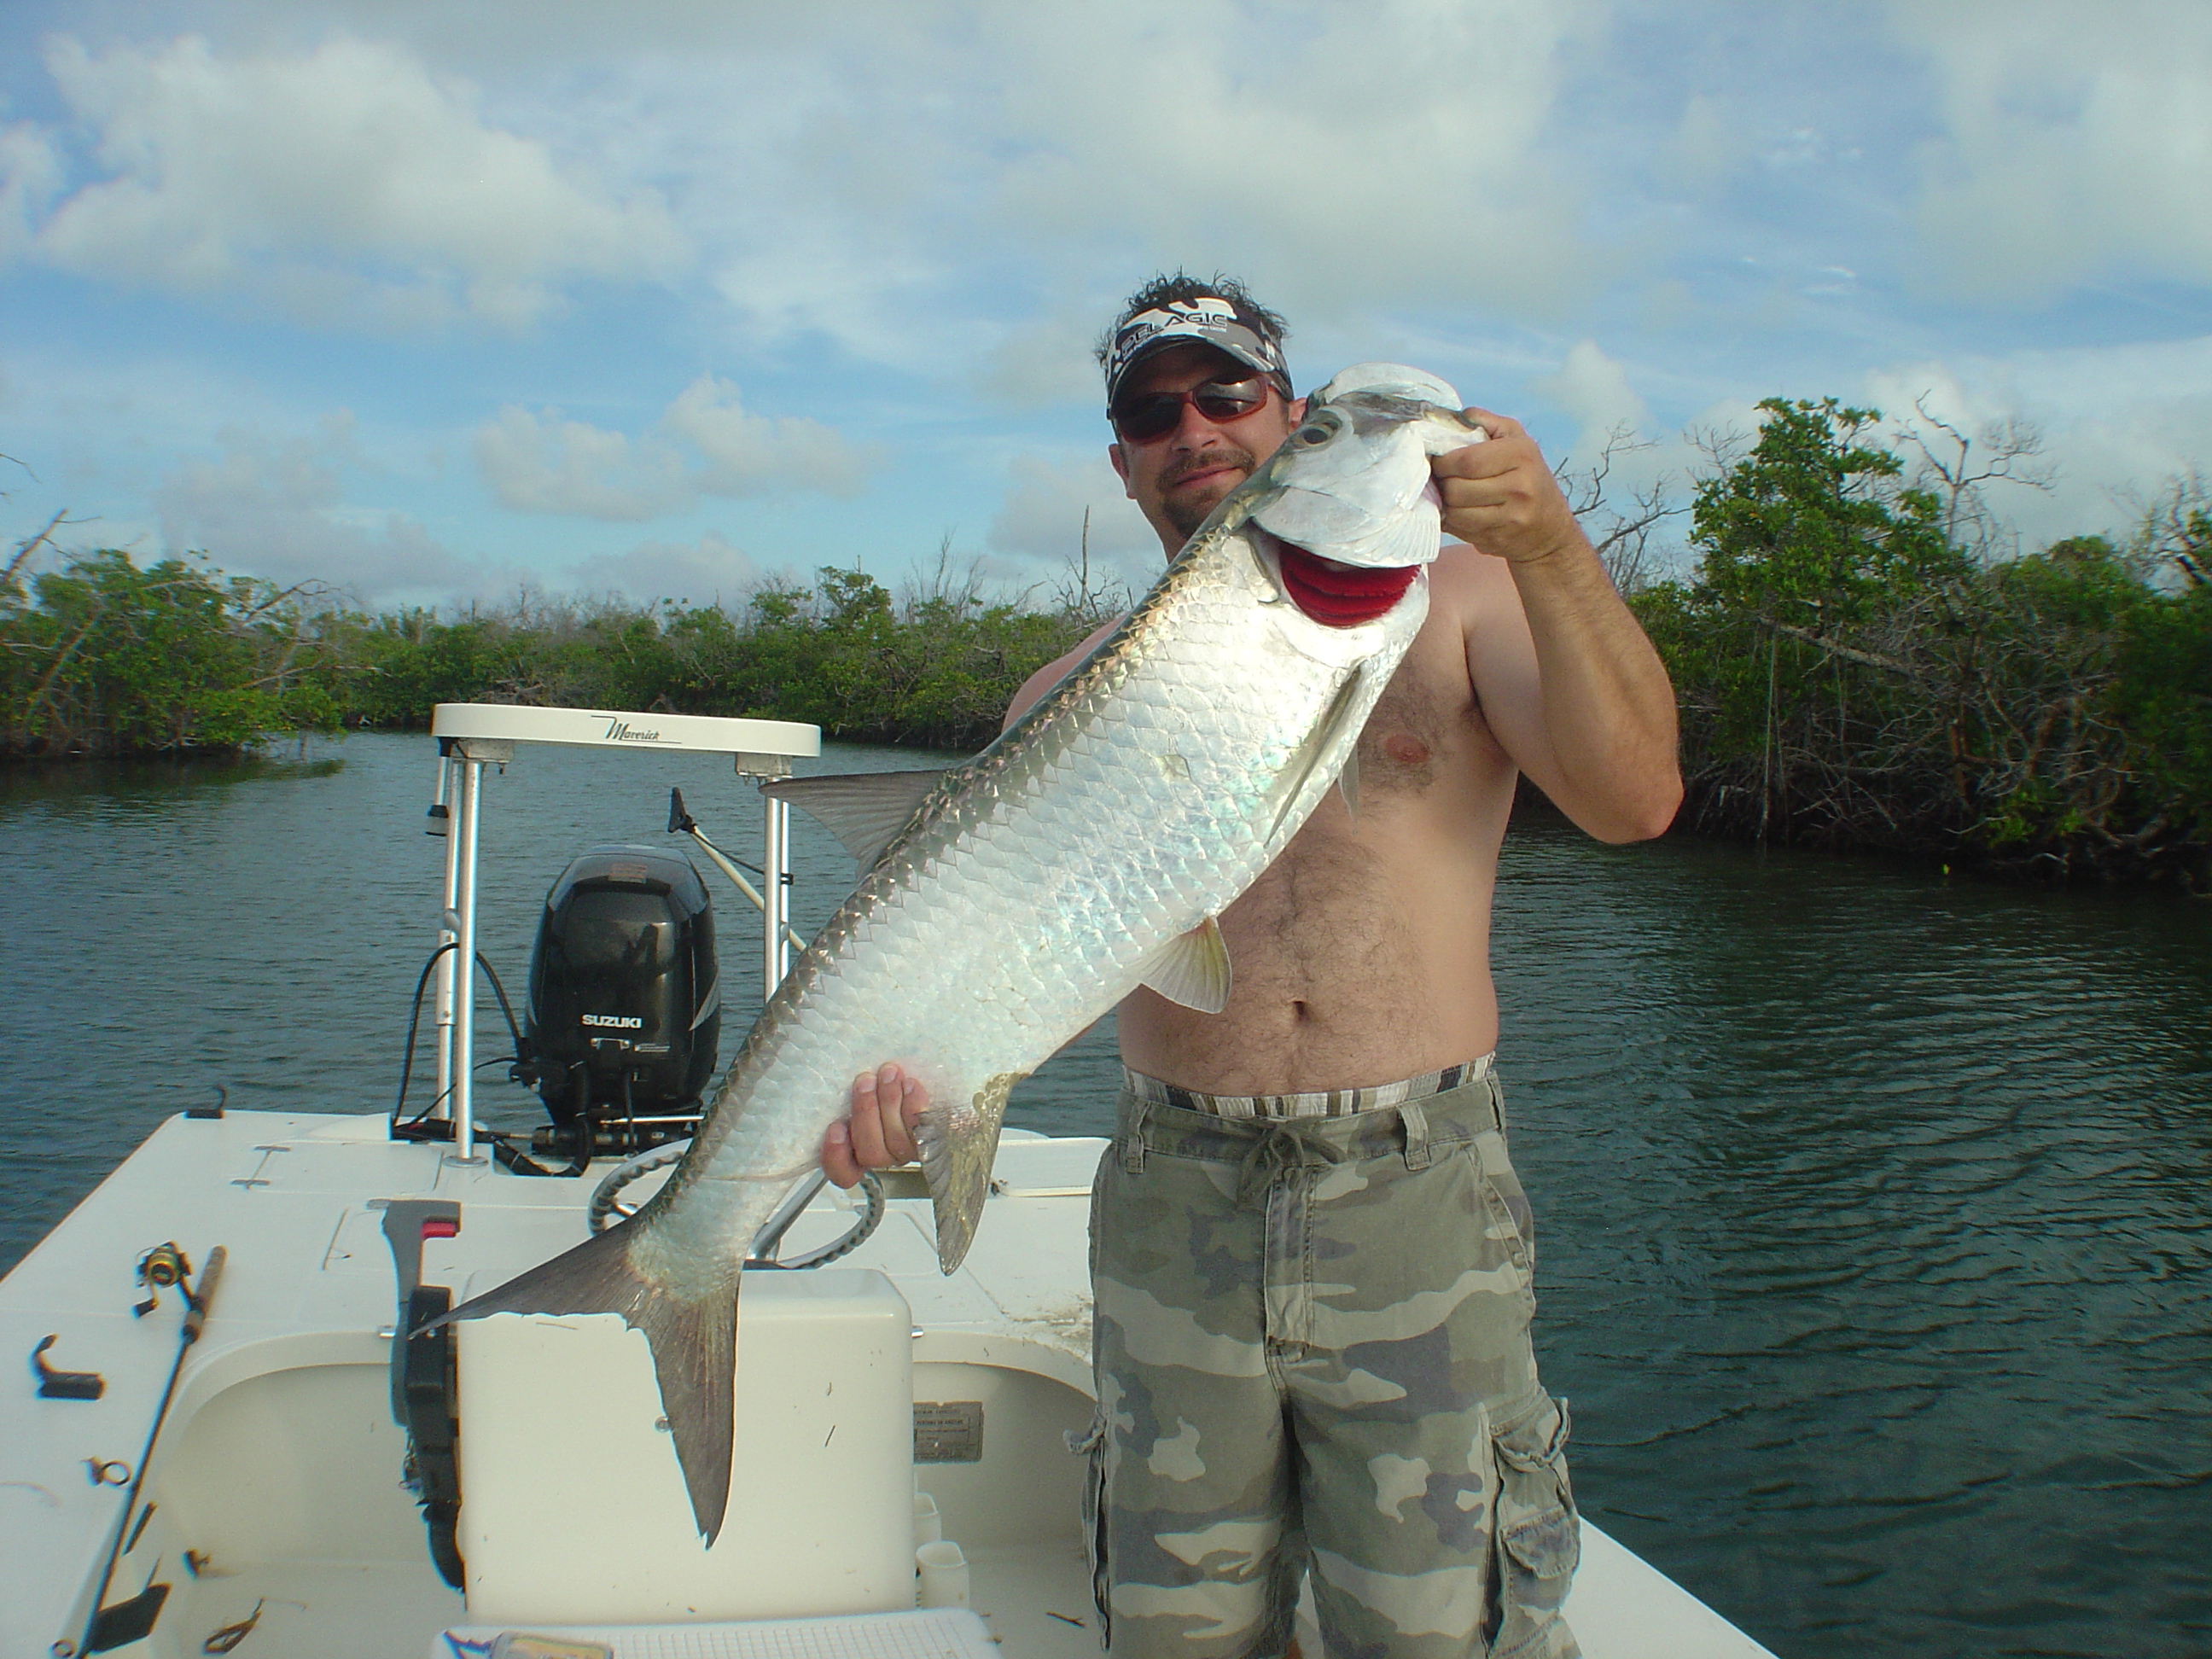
x,y
1312,1257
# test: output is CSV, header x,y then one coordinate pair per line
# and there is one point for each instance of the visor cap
x,y
1208,319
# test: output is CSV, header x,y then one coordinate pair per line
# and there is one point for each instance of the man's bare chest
x,y
1426,733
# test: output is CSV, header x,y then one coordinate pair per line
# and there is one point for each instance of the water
x,y
1875,1257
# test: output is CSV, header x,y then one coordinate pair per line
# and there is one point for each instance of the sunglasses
x,y
1153,415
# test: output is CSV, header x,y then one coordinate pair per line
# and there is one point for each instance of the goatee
x,y
1186,515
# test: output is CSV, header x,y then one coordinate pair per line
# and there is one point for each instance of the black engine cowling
x,y
624,1012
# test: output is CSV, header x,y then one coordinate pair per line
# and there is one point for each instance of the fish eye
x,y
1319,428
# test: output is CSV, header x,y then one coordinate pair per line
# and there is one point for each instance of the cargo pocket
x,y
1091,1446
1538,1543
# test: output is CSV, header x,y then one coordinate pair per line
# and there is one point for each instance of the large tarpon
x,y
1013,900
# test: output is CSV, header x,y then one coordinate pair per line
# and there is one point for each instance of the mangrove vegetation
x,y
1861,662
103,659
1855,670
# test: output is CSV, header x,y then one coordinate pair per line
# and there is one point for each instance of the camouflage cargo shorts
x,y
1312,1350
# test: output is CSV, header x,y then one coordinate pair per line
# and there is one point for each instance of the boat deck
x,y
276,1480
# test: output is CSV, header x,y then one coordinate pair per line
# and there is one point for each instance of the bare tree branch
x,y
1621,535
1722,446
1950,470
1849,653
2176,528
1075,595
45,538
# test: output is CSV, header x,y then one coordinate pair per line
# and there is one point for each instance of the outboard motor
x,y
625,1008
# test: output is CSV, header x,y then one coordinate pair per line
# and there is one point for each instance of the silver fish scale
x,y
1141,797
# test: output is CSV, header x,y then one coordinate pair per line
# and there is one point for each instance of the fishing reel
x,y
164,1267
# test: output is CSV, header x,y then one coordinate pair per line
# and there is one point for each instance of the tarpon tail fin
x,y
958,1147
694,1342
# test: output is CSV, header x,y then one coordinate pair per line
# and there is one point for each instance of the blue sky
x,y
428,301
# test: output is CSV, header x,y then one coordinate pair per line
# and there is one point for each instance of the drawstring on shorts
x,y
1280,1148
1292,1143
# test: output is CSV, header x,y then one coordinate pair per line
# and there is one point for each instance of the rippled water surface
x,y
1874,1208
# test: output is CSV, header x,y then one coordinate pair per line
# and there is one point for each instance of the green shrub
x,y
1850,678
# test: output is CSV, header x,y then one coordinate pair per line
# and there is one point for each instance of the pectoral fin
x,y
958,1144
1192,968
865,811
1325,730
1347,781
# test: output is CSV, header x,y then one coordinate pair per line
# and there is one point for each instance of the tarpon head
x,y
1347,504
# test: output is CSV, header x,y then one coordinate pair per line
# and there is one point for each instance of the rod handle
x,y
204,1294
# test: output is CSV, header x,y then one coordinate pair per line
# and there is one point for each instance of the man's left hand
x,y
1500,495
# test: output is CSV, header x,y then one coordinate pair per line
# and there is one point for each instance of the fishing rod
x,y
196,1302
682,822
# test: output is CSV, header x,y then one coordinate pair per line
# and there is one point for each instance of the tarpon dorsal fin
x,y
958,1146
1331,724
865,811
1192,968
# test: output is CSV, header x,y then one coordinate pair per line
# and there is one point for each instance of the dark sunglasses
x,y
1153,415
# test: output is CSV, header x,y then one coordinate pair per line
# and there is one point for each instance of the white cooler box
x,y
573,1508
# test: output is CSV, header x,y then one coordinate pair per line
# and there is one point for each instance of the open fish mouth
x,y
1341,595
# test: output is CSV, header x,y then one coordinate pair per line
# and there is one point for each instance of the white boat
x,y
240,1478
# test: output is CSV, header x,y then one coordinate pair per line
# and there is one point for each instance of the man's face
x,y
1181,476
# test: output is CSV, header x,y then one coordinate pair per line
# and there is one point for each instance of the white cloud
x,y
544,464
846,173
1048,360
276,508
705,571
1347,158
931,205
1041,522
30,177
747,454
2076,144
1593,389
1710,141
881,177
346,183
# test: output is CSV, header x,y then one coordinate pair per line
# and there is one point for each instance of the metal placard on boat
x,y
948,1432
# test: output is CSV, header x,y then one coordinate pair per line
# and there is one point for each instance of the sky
x,y
430,303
